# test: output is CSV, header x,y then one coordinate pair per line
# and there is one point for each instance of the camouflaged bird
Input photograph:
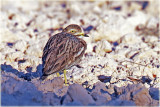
x,y
63,50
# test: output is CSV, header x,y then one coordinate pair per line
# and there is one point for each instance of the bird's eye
x,y
73,31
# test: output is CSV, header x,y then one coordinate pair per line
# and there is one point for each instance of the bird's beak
x,y
83,34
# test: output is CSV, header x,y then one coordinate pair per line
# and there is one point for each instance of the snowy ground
x,y
120,67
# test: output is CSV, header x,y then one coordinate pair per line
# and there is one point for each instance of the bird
x,y
63,50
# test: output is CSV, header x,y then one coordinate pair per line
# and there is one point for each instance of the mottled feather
x,y
59,54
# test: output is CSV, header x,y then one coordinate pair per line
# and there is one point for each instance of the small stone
x,y
113,80
130,39
34,51
110,91
100,100
132,54
78,93
103,47
21,45
141,97
99,91
10,57
50,85
152,23
104,79
23,66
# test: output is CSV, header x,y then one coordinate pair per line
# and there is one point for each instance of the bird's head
x,y
75,30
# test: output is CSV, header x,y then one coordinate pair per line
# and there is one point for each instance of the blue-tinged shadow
x,y
27,76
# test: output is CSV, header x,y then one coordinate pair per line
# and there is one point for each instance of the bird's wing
x,y
61,51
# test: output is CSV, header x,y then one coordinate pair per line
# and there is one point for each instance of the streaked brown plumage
x,y
63,50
